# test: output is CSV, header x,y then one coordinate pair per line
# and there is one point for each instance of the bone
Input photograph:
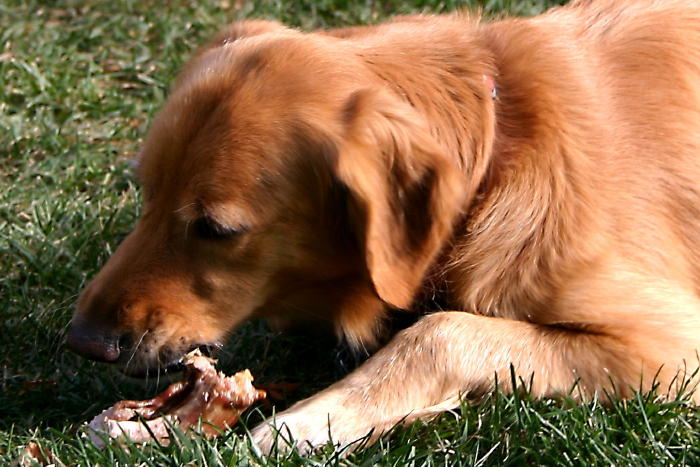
x,y
205,394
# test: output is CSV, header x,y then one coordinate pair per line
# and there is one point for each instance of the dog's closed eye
x,y
209,229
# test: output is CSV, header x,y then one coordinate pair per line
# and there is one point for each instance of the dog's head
x,y
282,180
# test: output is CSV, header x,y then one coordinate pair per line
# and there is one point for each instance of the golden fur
x,y
330,176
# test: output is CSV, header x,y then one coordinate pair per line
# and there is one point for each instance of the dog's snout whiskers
x,y
134,349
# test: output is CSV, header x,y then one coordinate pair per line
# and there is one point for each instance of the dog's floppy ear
x,y
408,194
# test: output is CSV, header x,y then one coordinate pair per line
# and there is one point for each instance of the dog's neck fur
x,y
496,250
521,228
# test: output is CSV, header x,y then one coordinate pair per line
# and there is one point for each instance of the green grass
x,y
79,82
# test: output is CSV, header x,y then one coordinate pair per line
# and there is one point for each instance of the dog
x,y
538,178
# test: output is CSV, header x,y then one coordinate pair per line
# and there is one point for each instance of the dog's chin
x,y
152,371
140,368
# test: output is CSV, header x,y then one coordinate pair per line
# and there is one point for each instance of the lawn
x,y
79,82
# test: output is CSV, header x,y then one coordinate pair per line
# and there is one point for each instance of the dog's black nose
x,y
95,344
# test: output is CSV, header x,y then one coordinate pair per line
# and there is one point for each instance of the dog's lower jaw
x,y
136,366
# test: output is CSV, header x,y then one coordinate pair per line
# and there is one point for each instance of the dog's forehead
x,y
236,129
227,160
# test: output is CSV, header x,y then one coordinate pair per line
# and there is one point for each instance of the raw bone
x,y
216,398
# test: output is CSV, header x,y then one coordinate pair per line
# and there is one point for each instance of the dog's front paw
x,y
313,423
287,431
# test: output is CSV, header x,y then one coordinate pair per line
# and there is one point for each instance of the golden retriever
x,y
539,177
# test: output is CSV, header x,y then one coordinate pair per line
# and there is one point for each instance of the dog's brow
x,y
227,217
188,212
184,208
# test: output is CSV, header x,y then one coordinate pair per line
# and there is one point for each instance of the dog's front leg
x,y
426,368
